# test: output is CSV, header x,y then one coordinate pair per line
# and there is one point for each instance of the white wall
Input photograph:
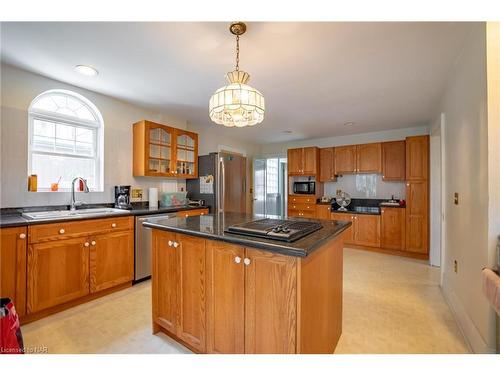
x,y
435,192
466,172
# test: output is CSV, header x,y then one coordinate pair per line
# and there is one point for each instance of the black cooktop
x,y
276,229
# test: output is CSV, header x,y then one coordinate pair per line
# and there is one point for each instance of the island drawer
x,y
69,229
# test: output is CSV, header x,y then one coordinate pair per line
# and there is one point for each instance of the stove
x,y
275,229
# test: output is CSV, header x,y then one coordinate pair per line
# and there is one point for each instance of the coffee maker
x,y
122,197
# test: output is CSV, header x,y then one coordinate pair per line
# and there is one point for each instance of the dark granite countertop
x,y
12,217
213,226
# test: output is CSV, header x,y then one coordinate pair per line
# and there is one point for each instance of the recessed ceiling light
x,y
350,123
86,70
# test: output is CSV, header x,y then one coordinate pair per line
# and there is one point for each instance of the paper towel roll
x,y
153,197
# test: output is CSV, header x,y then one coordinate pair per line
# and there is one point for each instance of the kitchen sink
x,y
67,214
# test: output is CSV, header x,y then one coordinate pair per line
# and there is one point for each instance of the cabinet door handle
x,y
86,244
93,243
247,261
113,225
237,260
170,243
22,236
176,244
61,231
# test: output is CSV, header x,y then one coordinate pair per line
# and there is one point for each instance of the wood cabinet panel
x,y
349,232
13,251
301,199
394,161
294,161
311,161
197,212
191,270
417,158
225,298
111,260
417,217
369,158
164,281
58,272
270,303
345,160
323,211
367,230
327,164
392,228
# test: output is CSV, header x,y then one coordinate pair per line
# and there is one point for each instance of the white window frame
x,y
38,114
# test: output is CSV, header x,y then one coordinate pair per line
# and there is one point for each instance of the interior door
x,y
234,182
259,186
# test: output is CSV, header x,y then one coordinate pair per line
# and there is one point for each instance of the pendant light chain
x,y
237,52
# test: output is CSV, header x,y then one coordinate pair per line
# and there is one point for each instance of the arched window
x,y
66,138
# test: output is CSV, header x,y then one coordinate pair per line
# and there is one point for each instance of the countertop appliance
x,y
276,229
122,197
143,245
196,202
221,182
304,187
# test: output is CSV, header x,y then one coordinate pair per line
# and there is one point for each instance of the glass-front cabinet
x,y
164,151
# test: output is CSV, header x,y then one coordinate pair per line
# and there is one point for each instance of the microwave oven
x,y
304,187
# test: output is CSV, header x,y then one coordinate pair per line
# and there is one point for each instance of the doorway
x,y
269,176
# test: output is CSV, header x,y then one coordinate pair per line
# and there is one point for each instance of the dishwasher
x,y
143,242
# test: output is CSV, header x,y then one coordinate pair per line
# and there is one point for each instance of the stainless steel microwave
x,y
304,187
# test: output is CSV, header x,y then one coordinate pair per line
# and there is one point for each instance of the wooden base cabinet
x,y
365,229
417,217
392,228
253,298
13,266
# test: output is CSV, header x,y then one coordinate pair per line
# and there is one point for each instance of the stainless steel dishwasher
x,y
143,246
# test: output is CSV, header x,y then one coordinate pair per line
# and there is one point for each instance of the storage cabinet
x,y
303,161
164,151
327,164
417,158
365,229
369,158
394,161
13,266
197,212
323,211
392,228
349,232
417,217
345,159
301,206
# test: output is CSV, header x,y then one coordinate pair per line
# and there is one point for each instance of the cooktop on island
x,y
276,229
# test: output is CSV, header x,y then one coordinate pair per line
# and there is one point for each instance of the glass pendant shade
x,y
237,104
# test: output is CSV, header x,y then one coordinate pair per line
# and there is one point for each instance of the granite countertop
x,y
213,226
12,217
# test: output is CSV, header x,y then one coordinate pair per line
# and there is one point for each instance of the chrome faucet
x,y
74,203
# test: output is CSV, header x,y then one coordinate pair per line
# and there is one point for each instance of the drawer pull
x,y
176,244
93,243
86,244
237,260
247,261
113,225
170,243
22,236
61,231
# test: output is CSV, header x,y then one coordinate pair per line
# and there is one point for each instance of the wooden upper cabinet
x,y
392,228
369,158
303,161
13,266
394,161
58,272
225,298
345,160
111,260
294,161
270,303
367,230
164,151
327,164
417,158
417,217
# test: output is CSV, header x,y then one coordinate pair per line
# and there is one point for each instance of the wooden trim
x,y
400,253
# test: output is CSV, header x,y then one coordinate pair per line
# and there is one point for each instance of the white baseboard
x,y
469,330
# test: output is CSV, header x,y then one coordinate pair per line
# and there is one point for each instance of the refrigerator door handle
x,y
222,185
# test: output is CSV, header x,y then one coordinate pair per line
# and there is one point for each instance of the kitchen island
x,y
217,292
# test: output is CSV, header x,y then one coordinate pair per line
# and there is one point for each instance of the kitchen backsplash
x,y
366,186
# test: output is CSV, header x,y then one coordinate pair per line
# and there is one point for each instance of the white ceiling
x,y
315,76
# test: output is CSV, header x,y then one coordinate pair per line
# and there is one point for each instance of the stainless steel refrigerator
x,y
221,182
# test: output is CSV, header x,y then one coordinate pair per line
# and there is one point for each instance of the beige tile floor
x,y
391,305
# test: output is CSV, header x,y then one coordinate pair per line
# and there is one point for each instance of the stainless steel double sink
x,y
71,215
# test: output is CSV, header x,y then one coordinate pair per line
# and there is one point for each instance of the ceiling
x,y
315,76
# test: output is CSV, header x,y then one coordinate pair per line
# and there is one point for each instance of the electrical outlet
x,y
455,199
455,266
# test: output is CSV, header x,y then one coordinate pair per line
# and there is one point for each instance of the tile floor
x,y
391,305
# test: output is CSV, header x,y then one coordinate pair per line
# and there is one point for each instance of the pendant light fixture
x,y
237,104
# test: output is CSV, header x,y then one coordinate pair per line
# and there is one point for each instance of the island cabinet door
x,y
58,272
270,303
191,269
164,281
225,298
